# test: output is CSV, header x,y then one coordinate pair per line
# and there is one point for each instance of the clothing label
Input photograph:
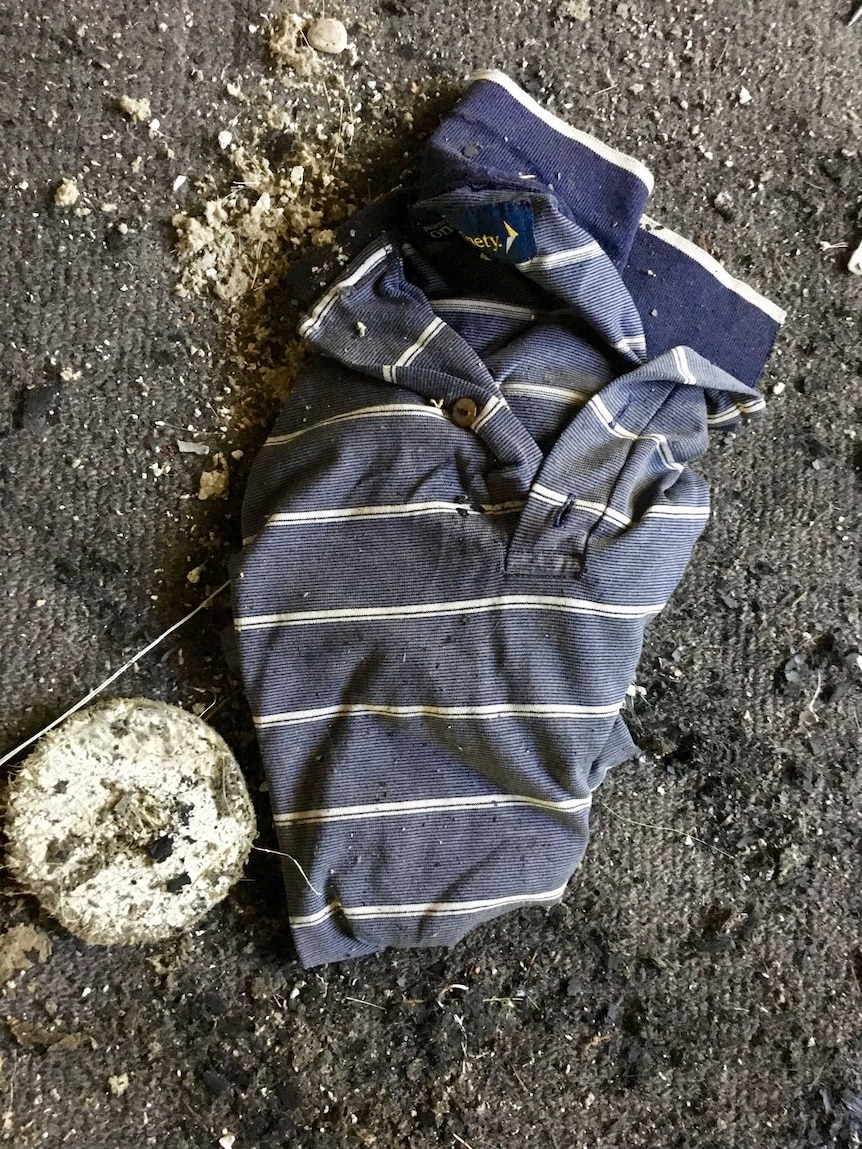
x,y
501,230
498,230
428,225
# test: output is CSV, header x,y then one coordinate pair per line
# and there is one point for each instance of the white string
x,y
290,858
113,678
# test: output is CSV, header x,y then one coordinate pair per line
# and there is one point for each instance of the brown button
x,y
464,412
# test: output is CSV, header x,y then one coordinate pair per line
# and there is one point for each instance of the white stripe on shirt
x,y
427,909
597,405
569,258
383,511
429,806
493,407
444,609
678,356
339,287
414,350
667,511
489,712
612,155
544,391
380,410
484,307
735,410
715,269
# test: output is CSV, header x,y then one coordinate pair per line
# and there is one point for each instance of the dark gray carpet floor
x,y
701,984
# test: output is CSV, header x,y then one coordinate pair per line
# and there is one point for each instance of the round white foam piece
x,y
129,822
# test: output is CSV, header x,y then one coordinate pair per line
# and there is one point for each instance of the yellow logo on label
x,y
484,242
494,242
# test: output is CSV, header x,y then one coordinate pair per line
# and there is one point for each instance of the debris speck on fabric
x,y
21,947
855,263
225,139
745,97
68,193
327,35
187,447
136,109
214,484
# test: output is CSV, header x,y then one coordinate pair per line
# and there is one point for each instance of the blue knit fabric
x,y
471,505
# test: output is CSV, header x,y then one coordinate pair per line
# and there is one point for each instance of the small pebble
x,y
225,139
745,97
327,35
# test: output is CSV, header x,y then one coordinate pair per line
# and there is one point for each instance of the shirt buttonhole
x,y
563,512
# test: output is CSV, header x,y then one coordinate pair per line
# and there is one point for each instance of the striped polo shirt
x,y
474,500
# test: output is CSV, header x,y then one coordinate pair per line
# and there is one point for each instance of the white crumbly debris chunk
x,y
214,484
67,193
139,110
575,9
129,822
855,263
119,1084
289,45
327,35
745,97
225,139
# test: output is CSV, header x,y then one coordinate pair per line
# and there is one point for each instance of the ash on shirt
x,y
470,507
